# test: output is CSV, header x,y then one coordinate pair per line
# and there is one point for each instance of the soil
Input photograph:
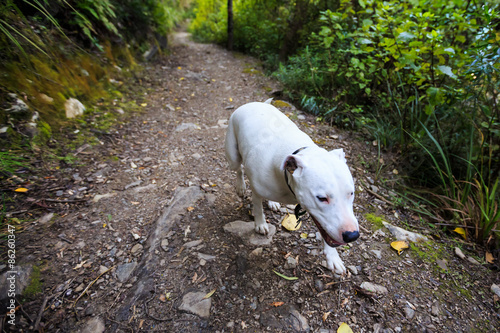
x,y
145,240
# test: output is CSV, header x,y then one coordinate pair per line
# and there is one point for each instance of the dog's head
x,y
324,186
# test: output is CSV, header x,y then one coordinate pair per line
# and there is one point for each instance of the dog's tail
x,y
269,100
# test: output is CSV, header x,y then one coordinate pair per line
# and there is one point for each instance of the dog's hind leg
x,y
234,159
258,212
273,205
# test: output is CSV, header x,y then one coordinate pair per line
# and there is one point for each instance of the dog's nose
x,y
350,236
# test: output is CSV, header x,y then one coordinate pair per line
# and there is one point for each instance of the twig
x,y
40,313
64,200
90,285
335,282
65,239
378,196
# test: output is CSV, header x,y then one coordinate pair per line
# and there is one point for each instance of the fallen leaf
x,y
399,246
179,67
243,325
325,315
21,190
181,79
134,202
195,277
276,304
209,294
144,104
104,225
190,209
395,171
303,235
290,278
461,231
344,328
289,222
489,257
230,99
133,165
163,298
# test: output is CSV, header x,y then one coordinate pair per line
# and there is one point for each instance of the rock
x,y
285,318
405,235
191,244
377,253
495,289
319,285
46,99
46,218
353,269
102,196
442,263
409,313
290,263
187,126
195,303
136,249
256,253
222,123
74,108
473,261
134,184
18,105
19,277
196,156
164,244
146,188
374,288
124,271
102,269
301,117
206,257
377,328
435,311
246,231
93,325
459,253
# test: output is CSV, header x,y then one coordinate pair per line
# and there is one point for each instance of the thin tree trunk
x,y
230,25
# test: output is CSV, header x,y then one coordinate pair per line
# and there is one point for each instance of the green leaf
x,y
286,277
447,70
406,36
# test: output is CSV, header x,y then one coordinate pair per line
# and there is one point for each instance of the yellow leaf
x,y
276,304
209,294
230,99
325,315
289,222
303,235
190,209
104,225
144,104
21,189
461,231
344,328
181,79
489,257
399,246
179,67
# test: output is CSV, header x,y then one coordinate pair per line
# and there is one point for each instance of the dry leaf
x,y
489,257
461,231
190,209
195,277
163,298
303,235
399,246
344,328
243,325
80,265
276,304
209,294
21,190
289,222
325,315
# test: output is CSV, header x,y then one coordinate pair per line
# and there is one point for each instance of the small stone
x,y
59,193
409,313
164,244
186,126
102,269
442,263
194,302
124,271
136,249
290,263
405,235
377,253
301,117
196,156
191,244
46,218
246,231
435,310
459,253
80,287
353,269
473,261
74,108
319,285
206,257
495,289
93,325
256,252
374,288
46,99
203,262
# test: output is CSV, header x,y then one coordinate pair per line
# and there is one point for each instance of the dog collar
x,y
298,209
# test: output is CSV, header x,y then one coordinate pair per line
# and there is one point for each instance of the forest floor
x,y
135,239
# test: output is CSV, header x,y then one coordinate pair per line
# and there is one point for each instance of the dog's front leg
x,y
258,212
333,260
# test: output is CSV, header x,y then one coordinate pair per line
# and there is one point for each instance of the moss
x,y
376,220
280,104
35,285
252,71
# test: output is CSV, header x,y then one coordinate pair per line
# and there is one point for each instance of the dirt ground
x,y
137,241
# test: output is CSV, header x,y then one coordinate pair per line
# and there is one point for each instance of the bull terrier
x,y
284,165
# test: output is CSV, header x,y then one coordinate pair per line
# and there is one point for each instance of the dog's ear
x,y
293,164
339,153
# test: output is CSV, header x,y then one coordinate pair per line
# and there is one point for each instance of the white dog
x,y
284,165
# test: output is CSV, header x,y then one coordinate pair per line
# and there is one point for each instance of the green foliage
x,y
10,161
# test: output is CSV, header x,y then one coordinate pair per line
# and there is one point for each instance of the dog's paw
x,y
333,261
262,228
273,205
240,189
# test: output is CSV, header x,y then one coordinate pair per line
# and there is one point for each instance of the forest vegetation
x,y
417,77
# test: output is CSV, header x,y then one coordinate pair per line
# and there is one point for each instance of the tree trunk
x,y
230,25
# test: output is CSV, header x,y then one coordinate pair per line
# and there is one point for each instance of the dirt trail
x,y
151,252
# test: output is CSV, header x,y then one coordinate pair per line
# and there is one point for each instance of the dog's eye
x,y
322,199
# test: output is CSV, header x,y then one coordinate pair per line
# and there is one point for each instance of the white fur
x,y
261,140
